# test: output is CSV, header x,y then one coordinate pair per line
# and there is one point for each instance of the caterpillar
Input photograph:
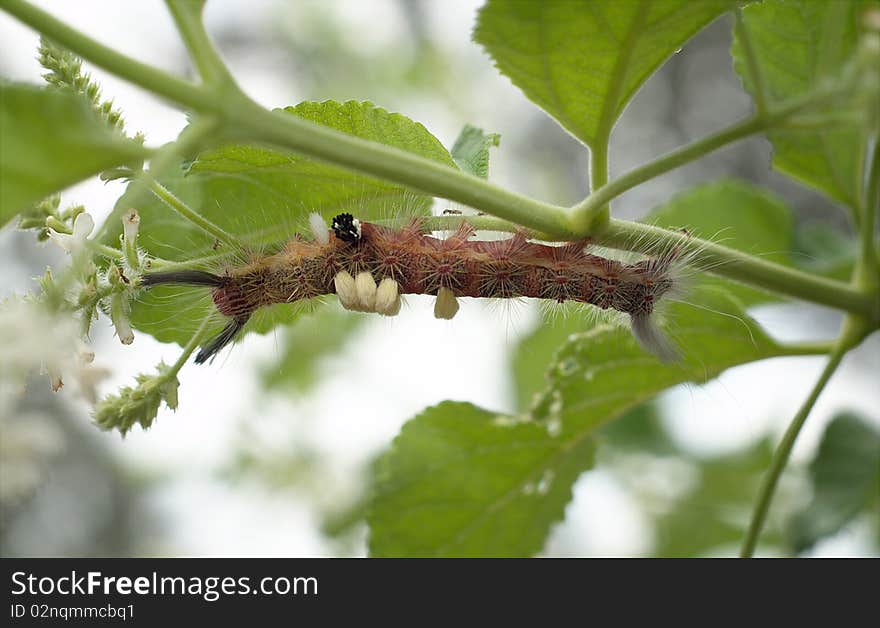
x,y
368,266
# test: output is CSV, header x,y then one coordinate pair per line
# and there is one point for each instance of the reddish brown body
x,y
422,264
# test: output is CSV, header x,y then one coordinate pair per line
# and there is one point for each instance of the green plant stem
x,y
106,251
685,154
201,130
781,455
678,157
740,266
819,347
598,215
480,223
599,167
191,346
424,175
148,77
187,16
155,262
868,252
167,196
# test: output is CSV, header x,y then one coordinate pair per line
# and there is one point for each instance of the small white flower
x,y
33,339
130,223
82,228
319,228
366,291
388,297
84,352
87,377
119,317
345,290
446,305
55,379
124,331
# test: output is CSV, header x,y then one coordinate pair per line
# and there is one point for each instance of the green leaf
x,y
471,150
640,429
263,197
535,351
826,251
846,479
461,481
800,45
51,140
600,372
582,61
464,481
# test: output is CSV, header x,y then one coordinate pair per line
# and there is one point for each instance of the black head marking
x,y
347,228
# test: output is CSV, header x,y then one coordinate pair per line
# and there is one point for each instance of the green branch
x,y
187,16
868,224
167,196
141,74
600,197
582,212
727,262
191,346
418,173
103,250
783,450
598,215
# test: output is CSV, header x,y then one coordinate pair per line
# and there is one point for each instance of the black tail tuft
x,y
221,340
187,277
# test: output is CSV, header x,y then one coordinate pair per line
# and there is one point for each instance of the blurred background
x,y
270,450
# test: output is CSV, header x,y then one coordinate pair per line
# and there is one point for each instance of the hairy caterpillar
x,y
368,266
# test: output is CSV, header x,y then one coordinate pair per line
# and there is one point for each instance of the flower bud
x,y
119,316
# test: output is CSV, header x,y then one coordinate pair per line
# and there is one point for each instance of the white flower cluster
x,y
33,339
117,303
74,242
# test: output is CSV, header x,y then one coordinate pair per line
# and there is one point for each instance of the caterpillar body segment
x,y
369,266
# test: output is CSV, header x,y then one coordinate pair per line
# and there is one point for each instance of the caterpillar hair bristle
x,y
370,266
221,340
647,332
318,228
184,277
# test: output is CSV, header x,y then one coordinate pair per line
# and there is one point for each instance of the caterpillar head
x,y
347,228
